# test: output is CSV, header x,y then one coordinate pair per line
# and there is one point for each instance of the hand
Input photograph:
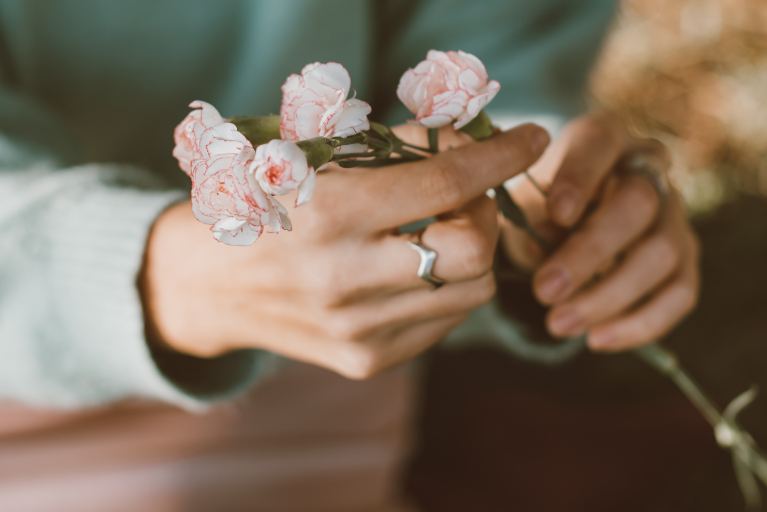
x,y
646,259
340,290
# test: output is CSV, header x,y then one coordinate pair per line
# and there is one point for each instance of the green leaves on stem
x,y
383,143
512,211
380,140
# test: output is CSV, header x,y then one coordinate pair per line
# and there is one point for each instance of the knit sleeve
x,y
72,240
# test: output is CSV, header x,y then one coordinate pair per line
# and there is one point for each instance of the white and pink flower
x,y
315,103
446,87
280,167
185,150
225,194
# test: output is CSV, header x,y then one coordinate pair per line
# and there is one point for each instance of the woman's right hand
x,y
340,290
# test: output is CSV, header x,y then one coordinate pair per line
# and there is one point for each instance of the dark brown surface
x,y
604,433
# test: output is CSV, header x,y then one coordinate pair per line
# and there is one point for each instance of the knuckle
x,y
447,181
486,289
316,228
601,127
329,285
592,247
479,292
346,327
642,199
476,253
360,362
665,251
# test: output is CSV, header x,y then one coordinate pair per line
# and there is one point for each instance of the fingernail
x,y
539,139
565,323
566,204
552,284
601,339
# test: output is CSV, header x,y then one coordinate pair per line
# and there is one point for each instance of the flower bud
x,y
479,128
318,150
258,129
282,166
447,87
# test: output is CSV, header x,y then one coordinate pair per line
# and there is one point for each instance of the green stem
x,y
413,146
433,140
666,363
357,138
537,186
511,210
409,154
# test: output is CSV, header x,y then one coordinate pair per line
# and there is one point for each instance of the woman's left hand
x,y
628,272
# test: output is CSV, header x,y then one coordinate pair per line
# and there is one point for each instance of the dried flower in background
x,y
693,73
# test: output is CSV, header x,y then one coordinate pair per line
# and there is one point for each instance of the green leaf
x,y
479,128
511,210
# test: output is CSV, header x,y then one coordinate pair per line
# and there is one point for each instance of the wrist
x,y
156,280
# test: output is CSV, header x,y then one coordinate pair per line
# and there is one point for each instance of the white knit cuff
x,y
98,233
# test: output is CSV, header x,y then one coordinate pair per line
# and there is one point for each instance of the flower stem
x,y
750,463
433,140
666,363
511,210
419,148
409,154
537,185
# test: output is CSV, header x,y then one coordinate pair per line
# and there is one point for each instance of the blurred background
x,y
693,73
605,433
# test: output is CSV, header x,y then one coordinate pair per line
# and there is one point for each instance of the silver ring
x,y
427,263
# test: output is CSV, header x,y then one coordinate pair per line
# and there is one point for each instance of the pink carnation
x,y
185,150
280,167
447,86
224,194
315,103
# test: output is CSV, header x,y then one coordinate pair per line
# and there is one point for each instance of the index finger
x,y
592,144
447,180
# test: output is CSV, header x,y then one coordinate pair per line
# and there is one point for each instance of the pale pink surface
x,y
315,103
306,439
224,194
280,167
447,86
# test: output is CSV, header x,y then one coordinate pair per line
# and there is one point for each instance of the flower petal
x,y
306,188
446,86
352,118
307,120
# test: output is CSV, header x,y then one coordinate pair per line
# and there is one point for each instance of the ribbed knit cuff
x,y
98,233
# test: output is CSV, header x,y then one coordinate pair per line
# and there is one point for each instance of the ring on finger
x,y
644,165
428,256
